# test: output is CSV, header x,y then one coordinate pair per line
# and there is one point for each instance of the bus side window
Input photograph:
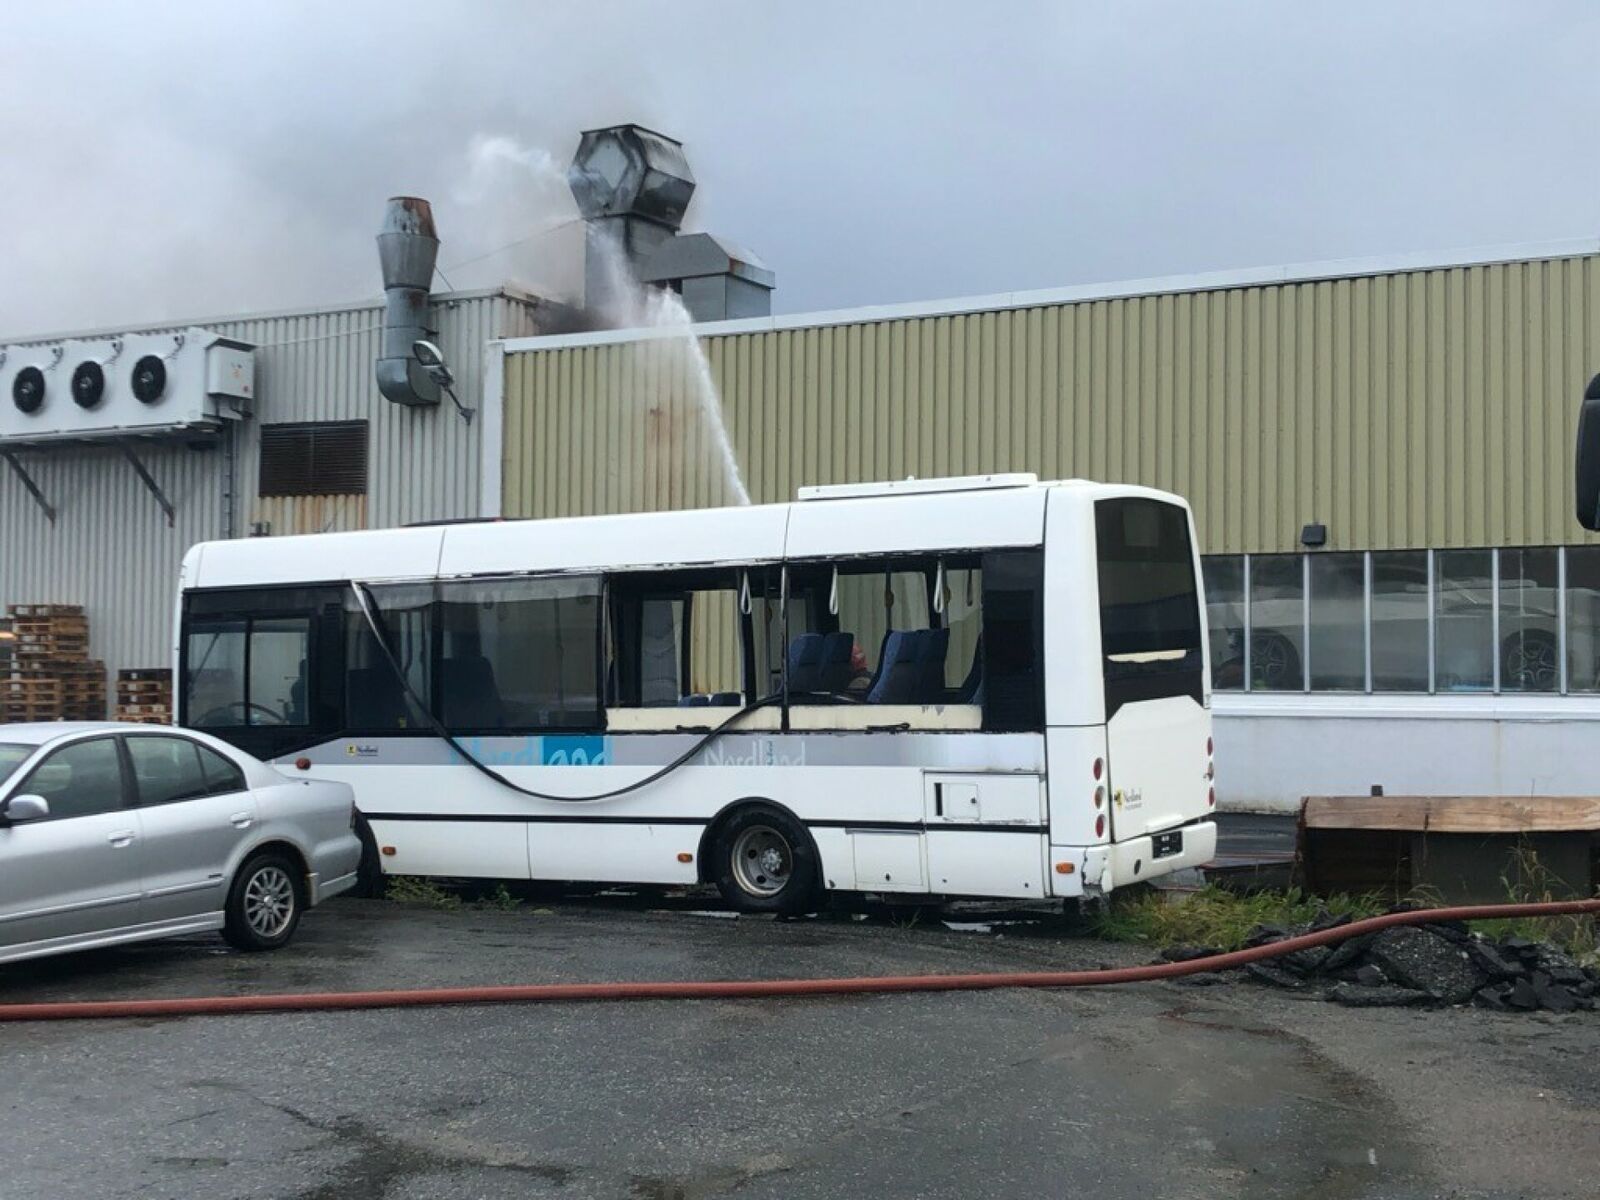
x,y
902,631
1012,646
520,654
678,640
376,698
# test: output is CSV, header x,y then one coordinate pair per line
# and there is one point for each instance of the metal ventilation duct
x,y
632,186
408,247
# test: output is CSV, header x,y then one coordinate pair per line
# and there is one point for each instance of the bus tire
x,y
765,862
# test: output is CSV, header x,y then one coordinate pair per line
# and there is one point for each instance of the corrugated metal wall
x,y
1422,408
110,547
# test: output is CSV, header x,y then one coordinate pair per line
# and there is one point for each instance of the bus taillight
x,y
1099,767
1100,825
1211,798
1099,795
1208,748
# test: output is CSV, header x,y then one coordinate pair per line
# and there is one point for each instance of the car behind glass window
x,y
78,780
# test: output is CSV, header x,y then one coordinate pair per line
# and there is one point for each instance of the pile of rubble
x,y
1443,962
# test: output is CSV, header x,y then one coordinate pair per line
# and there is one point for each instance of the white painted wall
x,y
1272,750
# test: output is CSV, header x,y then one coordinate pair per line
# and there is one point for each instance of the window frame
x,y
249,617
625,593
855,716
597,719
127,799
319,601
200,750
1498,622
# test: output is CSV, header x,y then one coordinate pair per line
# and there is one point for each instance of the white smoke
x,y
634,305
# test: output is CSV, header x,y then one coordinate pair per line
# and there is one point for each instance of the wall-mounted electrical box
x,y
148,384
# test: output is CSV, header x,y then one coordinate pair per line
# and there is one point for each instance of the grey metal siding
x,y
110,547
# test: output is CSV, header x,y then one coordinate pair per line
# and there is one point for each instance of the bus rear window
x,y
1149,604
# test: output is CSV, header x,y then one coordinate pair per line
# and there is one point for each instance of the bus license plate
x,y
1168,844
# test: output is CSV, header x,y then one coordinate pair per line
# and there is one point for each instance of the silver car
x,y
116,833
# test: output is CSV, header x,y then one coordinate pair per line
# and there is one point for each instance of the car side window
x,y
166,769
221,774
78,780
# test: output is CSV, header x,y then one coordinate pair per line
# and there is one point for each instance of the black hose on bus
x,y
364,600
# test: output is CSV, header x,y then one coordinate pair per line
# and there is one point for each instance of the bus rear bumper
x,y
1106,867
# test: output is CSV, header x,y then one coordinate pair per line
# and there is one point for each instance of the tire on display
x,y
764,862
265,902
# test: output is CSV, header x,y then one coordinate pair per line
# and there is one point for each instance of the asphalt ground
x,y
1150,1090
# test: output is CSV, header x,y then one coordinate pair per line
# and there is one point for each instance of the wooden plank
x,y
1453,814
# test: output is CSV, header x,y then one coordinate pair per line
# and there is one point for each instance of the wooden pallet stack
x,y
51,677
144,696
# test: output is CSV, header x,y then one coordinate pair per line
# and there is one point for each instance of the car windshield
x,y
12,756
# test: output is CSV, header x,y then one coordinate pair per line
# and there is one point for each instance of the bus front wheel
x,y
765,863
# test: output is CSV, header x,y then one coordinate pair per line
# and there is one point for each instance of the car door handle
x,y
241,820
122,837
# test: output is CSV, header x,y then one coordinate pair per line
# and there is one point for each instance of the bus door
x,y
1153,664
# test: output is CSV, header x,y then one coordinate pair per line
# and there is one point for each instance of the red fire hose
x,y
545,993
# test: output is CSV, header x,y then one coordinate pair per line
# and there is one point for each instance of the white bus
x,y
986,686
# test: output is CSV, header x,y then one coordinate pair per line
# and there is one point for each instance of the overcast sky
x,y
186,160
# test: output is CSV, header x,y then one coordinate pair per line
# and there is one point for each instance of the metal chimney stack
x,y
632,186
408,247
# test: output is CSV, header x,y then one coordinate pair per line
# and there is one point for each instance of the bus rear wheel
x,y
765,863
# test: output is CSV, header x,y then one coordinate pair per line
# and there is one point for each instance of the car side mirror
x,y
1587,474
25,808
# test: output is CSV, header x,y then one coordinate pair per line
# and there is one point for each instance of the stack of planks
x,y
144,695
51,677
1451,849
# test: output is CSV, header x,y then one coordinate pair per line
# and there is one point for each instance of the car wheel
x,y
265,902
1274,662
765,862
1529,662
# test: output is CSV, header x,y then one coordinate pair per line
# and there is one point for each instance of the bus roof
x,y
913,516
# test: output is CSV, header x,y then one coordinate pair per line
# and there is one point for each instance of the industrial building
x,y
1378,453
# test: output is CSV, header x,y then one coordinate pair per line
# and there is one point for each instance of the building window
x,y
319,458
1523,619
1530,620
1463,621
1583,618
1338,622
1400,621
1224,580
1277,622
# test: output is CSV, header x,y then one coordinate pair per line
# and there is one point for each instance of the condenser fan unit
x,y
88,384
27,389
149,378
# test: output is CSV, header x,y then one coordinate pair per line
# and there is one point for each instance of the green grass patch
x,y
1214,916
420,891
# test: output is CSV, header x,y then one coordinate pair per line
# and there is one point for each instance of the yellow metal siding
x,y
1426,408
